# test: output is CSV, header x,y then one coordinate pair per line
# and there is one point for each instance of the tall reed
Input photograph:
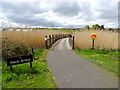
x,y
29,38
104,40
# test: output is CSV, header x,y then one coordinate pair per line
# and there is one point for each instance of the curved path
x,y
72,71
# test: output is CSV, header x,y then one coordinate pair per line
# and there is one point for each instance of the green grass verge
x,y
104,58
62,29
0,75
22,76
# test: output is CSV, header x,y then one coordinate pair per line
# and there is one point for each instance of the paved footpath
x,y
72,71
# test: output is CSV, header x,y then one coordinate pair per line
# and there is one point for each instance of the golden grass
x,y
29,38
104,40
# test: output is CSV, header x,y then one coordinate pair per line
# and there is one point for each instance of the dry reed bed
x,y
29,38
104,40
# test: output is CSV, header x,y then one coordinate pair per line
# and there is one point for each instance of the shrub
x,y
12,49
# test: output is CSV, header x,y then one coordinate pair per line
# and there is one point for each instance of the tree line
x,y
96,26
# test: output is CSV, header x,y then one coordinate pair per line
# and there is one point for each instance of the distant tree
x,y
110,29
102,27
92,27
4,29
87,27
96,26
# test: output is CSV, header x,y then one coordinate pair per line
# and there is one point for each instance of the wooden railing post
x,y
55,37
50,40
46,44
59,36
73,42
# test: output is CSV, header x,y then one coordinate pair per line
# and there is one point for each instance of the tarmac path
x,y
70,70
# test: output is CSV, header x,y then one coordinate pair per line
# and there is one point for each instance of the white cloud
x,y
56,13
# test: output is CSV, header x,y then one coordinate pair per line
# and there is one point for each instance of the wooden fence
x,y
51,39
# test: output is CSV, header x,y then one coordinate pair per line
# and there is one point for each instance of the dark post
x,y
11,67
55,37
46,42
66,35
50,40
58,36
33,52
93,44
73,42
31,64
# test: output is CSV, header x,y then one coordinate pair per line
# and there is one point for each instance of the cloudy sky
x,y
61,13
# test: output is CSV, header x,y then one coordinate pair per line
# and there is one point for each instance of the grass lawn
x,y
22,76
106,59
